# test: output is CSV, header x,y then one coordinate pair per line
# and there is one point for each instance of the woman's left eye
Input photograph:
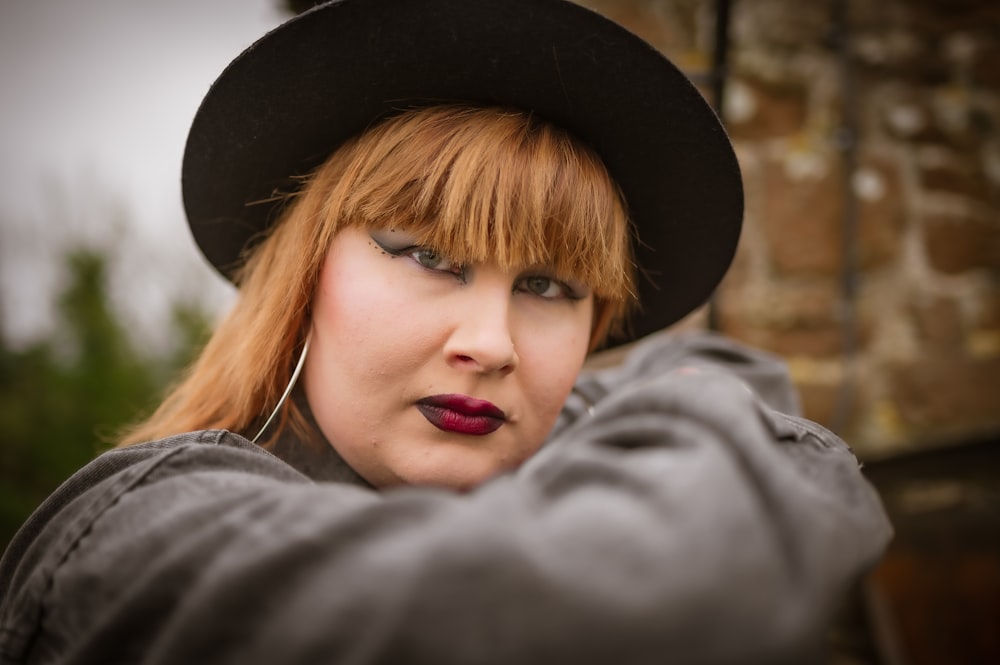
x,y
545,287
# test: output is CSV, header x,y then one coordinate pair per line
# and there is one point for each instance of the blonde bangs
x,y
487,185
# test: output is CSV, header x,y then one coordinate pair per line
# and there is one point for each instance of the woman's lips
x,y
461,414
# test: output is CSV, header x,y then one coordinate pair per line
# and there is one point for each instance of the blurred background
x,y
103,296
869,136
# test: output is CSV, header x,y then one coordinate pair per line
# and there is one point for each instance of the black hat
x,y
289,100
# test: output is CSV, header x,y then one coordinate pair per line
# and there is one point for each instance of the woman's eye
x,y
433,260
428,258
424,257
544,287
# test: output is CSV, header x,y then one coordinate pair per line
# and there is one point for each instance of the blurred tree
x,y
63,398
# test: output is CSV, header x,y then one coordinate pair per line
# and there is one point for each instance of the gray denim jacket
x,y
674,516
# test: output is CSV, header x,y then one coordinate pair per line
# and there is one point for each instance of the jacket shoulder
x,y
37,550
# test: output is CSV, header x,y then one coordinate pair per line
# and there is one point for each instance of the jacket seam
x,y
26,639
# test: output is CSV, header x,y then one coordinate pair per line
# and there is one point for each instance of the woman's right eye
x,y
430,259
433,260
425,257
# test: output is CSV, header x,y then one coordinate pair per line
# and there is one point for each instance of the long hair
x,y
477,184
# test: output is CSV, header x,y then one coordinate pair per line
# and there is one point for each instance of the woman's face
x,y
421,371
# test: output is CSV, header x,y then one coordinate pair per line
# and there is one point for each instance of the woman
x,y
427,206
479,214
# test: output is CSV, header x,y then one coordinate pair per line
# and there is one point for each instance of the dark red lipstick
x,y
461,414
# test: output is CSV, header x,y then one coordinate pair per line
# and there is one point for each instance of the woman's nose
x,y
482,339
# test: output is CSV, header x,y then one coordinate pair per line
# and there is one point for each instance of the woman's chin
x,y
461,473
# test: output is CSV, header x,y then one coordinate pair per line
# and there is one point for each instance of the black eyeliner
x,y
393,251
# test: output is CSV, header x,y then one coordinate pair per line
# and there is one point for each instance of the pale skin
x,y
394,323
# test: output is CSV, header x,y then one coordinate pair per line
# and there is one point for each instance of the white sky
x,y
96,97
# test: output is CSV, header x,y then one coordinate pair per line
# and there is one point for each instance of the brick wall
x,y
912,359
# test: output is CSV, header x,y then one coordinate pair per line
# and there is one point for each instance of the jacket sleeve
x,y
681,521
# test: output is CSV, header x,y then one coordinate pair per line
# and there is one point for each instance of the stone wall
x,y
872,265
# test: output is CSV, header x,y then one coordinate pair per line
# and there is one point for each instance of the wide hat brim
x,y
295,95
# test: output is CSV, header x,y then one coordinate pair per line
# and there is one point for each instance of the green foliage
x,y
63,399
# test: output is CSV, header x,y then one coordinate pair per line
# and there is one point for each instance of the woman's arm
x,y
682,521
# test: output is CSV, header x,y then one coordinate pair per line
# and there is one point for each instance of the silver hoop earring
x,y
288,388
